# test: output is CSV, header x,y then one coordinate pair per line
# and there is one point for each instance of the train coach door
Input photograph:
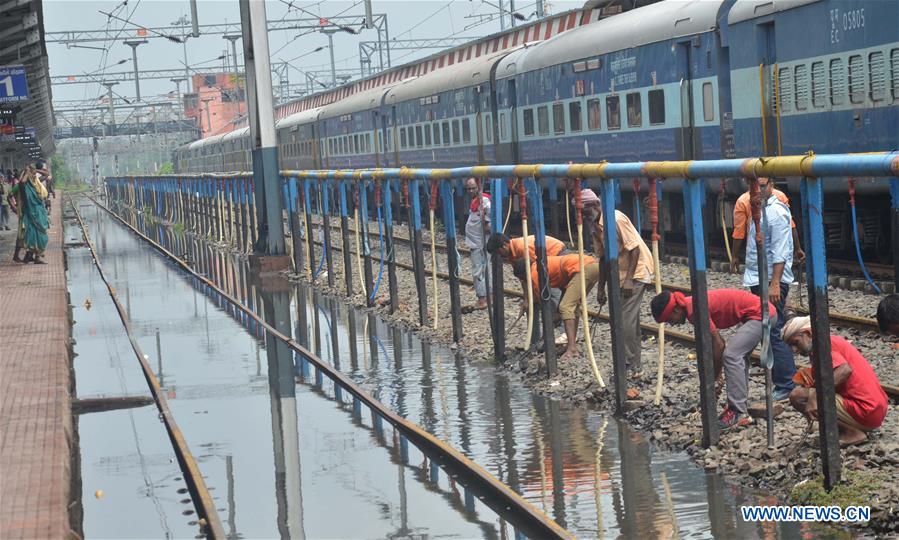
x,y
767,60
686,146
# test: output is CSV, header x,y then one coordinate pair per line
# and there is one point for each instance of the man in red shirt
x,y
727,308
563,272
861,401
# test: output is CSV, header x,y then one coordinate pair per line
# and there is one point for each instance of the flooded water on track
x,y
283,458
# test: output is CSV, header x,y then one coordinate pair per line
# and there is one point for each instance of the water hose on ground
x,y
522,200
374,292
657,271
431,205
357,226
579,205
858,249
730,257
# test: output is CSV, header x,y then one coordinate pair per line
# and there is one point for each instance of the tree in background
x,y
62,174
166,168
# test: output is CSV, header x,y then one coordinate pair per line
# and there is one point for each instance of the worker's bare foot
x,y
481,304
569,354
851,437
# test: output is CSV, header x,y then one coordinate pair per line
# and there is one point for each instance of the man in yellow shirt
x,y
742,215
635,272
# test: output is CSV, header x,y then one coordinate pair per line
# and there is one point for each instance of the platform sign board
x,y
13,84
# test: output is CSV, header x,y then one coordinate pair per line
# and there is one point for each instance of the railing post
x,y
344,231
452,255
663,213
693,189
293,216
496,269
366,243
310,239
417,256
326,222
812,192
894,211
389,246
552,185
613,282
546,308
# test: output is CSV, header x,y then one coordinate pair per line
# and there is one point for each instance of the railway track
x,y
647,329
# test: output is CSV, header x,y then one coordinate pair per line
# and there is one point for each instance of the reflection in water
x,y
594,476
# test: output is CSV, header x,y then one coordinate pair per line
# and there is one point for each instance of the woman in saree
x,y
27,198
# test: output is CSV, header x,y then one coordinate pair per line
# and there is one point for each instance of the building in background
x,y
218,101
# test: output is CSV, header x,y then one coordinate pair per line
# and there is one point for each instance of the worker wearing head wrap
x,y
635,274
727,308
860,400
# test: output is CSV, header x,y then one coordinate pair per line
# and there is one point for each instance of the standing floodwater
x,y
282,458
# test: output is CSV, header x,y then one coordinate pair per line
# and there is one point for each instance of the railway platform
x,y
35,385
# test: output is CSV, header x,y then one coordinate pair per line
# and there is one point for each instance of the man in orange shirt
x,y
564,274
512,249
742,215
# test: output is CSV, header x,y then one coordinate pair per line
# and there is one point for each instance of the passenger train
x,y
675,80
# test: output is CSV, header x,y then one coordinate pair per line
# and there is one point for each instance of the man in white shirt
x,y
476,234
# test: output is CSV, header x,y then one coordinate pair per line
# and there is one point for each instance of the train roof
x,y
298,118
462,75
650,24
745,10
360,101
236,134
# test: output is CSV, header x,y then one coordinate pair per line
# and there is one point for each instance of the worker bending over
x,y
635,273
512,249
564,274
727,308
860,400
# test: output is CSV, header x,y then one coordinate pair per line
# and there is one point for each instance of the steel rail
x,y
203,502
533,522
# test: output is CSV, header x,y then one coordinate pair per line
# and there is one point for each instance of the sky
x,y
405,19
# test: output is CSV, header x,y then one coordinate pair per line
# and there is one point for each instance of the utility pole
x,y
540,13
330,34
208,118
178,81
134,44
193,19
512,12
233,39
268,249
109,85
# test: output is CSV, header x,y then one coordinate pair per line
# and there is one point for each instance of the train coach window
x,y
877,76
708,106
634,110
894,68
819,82
436,127
656,107
528,121
446,133
594,115
784,97
488,128
800,83
403,138
574,116
455,132
502,126
837,82
856,79
613,112
543,120
427,135
558,118
419,140
466,130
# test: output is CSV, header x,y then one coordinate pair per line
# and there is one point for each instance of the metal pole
x,y
496,268
540,13
109,86
326,224
512,12
693,212
178,81
546,307
389,247
233,39
417,256
294,217
894,198
812,192
452,255
613,280
366,245
330,34
134,45
194,21
262,127
344,232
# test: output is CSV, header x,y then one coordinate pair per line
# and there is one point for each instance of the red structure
x,y
216,103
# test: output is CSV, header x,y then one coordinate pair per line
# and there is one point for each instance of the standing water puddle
x,y
282,458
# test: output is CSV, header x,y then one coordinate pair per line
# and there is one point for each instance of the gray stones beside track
x,y
741,455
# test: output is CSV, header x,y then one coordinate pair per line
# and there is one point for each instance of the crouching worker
x,y
860,400
727,308
564,274
888,314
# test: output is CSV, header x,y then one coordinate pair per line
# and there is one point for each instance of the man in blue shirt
x,y
779,251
